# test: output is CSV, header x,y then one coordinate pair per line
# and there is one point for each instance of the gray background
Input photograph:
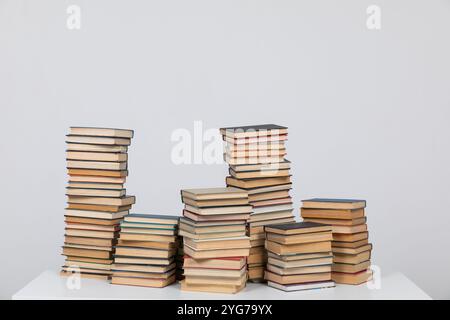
x,y
367,111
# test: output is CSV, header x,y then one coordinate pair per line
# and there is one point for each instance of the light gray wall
x,y
368,111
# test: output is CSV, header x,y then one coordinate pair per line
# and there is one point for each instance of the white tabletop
x,y
49,285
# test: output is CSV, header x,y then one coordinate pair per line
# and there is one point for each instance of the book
x,y
332,213
95,148
259,174
352,278
207,272
217,288
95,185
300,263
122,201
96,165
211,254
97,172
152,218
324,246
352,251
216,217
252,198
95,221
297,278
214,193
98,140
263,182
297,228
215,203
302,286
156,283
350,268
222,243
339,222
95,214
351,258
215,235
96,179
355,244
96,156
298,270
232,263
95,192
101,132
300,238
98,207
326,203
253,131
243,209
350,237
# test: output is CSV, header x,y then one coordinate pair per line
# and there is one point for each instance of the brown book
x,y
208,230
64,273
211,254
350,229
92,260
268,195
220,210
144,252
96,165
300,263
96,179
101,132
234,281
269,216
298,270
147,244
91,233
352,251
351,237
339,222
96,227
97,172
144,275
98,140
350,268
297,228
201,194
249,153
87,270
326,203
300,238
204,236
352,278
88,265
216,203
100,208
143,261
95,192
271,202
143,282
89,241
95,185
216,288
96,221
95,148
281,249
355,244
77,252
259,174
120,202
234,263
146,237
222,273
301,256
351,258
216,217
143,268
263,182
289,219
332,213
215,244
96,156
299,278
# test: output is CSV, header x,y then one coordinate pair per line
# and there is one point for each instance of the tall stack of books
x,y
97,201
145,253
350,246
300,256
215,242
255,155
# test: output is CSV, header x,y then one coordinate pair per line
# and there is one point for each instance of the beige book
x,y
217,288
210,254
96,165
350,268
123,201
97,179
95,192
298,270
98,140
95,148
214,193
298,278
332,213
96,156
281,249
101,132
142,282
300,238
300,263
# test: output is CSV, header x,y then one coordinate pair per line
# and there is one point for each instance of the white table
x,y
49,285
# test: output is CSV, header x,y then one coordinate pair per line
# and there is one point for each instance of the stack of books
x,y
300,256
145,253
255,155
215,242
97,201
350,246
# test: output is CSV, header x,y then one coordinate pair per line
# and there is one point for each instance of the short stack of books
x,y
145,253
97,201
350,246
255,155
215,242
300,256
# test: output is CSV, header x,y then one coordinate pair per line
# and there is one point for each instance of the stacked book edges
x,y
97,199
350,246
257,164
215,244
299,256
146,251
